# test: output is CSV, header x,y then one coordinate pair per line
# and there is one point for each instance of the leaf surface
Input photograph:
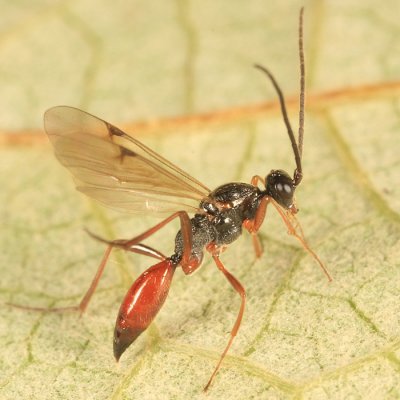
x,y
186,68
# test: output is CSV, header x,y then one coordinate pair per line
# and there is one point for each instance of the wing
x,y
117,170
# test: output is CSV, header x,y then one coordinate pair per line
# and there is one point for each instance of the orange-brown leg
x,y
186,229
132,245
239,288
86,298
253,225
125,245
81,307
257,178
296,230
138,248
147,294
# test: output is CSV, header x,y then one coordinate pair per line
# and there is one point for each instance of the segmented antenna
x,y
297,148
298,174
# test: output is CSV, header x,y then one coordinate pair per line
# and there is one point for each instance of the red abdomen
x,y
141,304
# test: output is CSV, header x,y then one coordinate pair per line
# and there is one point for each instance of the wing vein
x,y
117,170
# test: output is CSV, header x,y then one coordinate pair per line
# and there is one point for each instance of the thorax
x,y
228,206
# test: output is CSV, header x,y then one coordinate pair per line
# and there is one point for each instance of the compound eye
x,y
284,189
280,187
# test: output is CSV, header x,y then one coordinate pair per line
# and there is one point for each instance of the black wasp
x,y
117,170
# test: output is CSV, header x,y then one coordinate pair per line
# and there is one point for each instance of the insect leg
x,y
86,298
257,178
81,307
239,288
296,230
147,294
258,220
125,245
132,244
253,225
138,248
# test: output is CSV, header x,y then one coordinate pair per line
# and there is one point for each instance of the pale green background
x,y
301,338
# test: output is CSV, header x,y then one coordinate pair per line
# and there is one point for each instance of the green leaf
x,y
302,337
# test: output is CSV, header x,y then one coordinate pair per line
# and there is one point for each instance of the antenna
x,y
297,148
297,173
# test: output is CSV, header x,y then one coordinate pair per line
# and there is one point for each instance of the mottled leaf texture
x,y
185,67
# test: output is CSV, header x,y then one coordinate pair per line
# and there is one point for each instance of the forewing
x,y
116,169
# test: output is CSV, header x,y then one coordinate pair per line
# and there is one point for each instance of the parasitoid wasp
x,y
120,172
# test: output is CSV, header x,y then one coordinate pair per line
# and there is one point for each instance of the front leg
x,y
294,228
253,225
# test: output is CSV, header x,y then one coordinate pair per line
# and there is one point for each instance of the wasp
x,y
120,172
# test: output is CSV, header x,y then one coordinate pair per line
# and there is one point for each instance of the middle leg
x,y
241,291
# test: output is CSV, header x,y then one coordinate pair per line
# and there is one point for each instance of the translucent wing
x,y
117,170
